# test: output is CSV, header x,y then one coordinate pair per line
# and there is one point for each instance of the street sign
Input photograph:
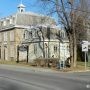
x,y
85,50
84,47
85,42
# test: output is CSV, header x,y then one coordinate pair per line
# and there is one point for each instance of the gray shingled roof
x,y
28,18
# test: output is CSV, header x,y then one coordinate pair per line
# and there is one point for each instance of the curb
x,y
37,69
79,71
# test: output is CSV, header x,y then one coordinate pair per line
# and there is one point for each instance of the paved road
x,y
12,78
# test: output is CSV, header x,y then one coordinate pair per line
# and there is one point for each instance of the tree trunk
x,y
75,50
71,50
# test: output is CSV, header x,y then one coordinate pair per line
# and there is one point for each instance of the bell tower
x,y
21,7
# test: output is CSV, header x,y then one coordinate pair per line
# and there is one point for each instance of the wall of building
x,y
43,42
7,45
49,48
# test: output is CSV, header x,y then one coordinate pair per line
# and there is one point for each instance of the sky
x,y
9,7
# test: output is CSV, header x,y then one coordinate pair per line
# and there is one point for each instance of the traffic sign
x,y
84,47
85,42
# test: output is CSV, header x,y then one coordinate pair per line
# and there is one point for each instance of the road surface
x,y
12,78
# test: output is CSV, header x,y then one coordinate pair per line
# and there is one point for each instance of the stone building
x,y
37,32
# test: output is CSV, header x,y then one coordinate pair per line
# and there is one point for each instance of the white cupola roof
x,y
21,6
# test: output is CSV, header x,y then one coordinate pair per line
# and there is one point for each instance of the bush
x,y
46,62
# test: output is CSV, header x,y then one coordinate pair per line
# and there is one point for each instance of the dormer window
x,y
25,34
11,21
4,23
8,21
1,23
30,34
5,36
55,49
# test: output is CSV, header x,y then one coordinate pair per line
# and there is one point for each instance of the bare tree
x,y
66,13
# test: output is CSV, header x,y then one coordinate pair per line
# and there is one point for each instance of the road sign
x,y
85,50
84,47
85,42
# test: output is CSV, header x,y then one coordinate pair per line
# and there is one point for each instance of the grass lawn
x,y
15,63
82,65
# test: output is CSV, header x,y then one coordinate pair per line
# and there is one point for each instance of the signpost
x,y
85,49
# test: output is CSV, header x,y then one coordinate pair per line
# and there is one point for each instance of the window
x,y
5,36
61,34
11,51
39,34
30,34
35,49
22,10
26,34
35,33
11,35
4,23
11,21
55,48
1,23
67,46
8,21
